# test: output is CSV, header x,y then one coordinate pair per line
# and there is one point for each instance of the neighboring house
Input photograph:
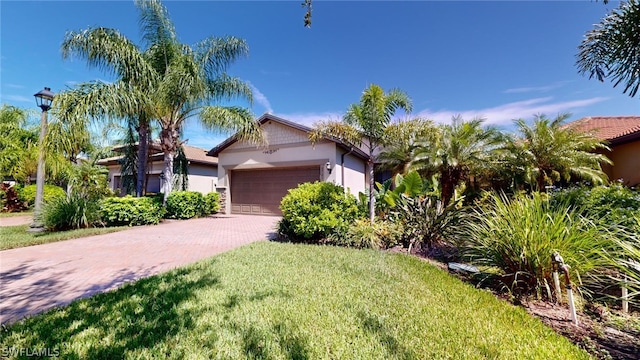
x,y
253,179
622,134
202,173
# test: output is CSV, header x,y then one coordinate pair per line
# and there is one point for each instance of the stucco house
x,y
202,172
253,179
622,133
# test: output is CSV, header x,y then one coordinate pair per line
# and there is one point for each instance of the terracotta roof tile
x,y
608,127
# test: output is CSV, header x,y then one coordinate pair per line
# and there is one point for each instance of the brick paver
x,y
37,278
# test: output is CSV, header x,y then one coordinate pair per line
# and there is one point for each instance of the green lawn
x,y
283,301
17,236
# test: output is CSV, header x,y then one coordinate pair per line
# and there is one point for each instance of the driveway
x,y
37,278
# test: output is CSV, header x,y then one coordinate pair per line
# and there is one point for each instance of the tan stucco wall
x,y
626,163
202,178
288,147
354,172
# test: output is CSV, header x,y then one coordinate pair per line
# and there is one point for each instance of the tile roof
x,y
608,127
192,153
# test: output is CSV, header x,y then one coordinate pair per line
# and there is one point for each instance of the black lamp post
x,y
44,98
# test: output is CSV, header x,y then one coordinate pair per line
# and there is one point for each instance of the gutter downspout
x,y
342,165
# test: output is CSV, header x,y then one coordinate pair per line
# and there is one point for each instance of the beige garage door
x,y
259,191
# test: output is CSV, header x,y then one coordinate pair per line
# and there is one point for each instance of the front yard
x,y
12,237
279,301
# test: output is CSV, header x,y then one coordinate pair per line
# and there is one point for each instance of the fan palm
x,y
364,125
548,152
167,82
612,49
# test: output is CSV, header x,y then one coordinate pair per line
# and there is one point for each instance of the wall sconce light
x,y
328,165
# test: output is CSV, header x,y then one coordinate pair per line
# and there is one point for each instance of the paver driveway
x,y
36,278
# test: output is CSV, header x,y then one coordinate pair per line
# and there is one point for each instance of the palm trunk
x,y
372,199
167,173
169,137
143,150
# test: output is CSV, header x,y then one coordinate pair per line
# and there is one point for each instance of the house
x,y
622,134
253,179
202,170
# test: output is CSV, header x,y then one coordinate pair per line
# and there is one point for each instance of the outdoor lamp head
x,y
328,165
44,98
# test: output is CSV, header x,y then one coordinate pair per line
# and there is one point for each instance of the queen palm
x,y
547,152
612,49
463,149
364,126
167,82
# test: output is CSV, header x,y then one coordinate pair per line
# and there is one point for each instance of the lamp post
x,y
44,98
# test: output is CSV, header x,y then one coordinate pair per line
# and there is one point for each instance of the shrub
x,y
211,203
131,211
626,258
614,204
9,199
425,219
28,194
362,234
312,211
185,204
74,212
519,235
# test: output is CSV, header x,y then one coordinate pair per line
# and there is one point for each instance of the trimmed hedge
x,y
185,205
313,211
28,194
212,203
131,211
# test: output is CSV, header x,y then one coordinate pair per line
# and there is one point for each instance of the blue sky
x,y
499,60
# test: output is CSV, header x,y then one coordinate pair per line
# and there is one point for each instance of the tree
x,y
168,82
548,152
402,141
612,49
463,149
364,125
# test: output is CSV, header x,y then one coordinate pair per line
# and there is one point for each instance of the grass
x,y
14,214
12,237
284,301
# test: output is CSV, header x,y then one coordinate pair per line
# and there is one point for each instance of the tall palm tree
x,y
612,49
464,149
548,152
167,82
364,125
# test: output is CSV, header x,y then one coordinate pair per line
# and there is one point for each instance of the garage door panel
x,y
260,191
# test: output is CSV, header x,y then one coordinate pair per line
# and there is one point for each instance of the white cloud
x,y
261,99
504,114
309,119
14,86
18,98
544,88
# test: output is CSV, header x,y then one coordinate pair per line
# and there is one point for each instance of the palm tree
x,y
464,149
547,152
612,49
168,82
402,141
364,125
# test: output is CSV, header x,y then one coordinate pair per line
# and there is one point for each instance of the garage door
x,y
259,191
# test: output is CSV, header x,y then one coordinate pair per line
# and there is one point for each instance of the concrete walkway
x,y
16,220
37,278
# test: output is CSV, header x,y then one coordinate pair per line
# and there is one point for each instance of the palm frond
x,y
336,130
215,54
236,120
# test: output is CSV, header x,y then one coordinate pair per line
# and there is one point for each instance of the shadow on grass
x,y
375,327
138,316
